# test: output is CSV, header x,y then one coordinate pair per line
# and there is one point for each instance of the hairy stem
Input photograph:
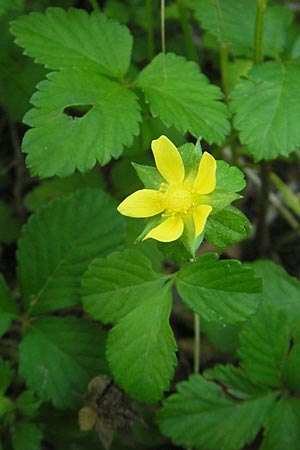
x,y
187,35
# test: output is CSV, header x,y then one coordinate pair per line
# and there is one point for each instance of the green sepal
x,y
149,176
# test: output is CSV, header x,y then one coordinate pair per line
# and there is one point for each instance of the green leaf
x,y
201,416
65,353
57,187
227,227
122,275
73,38
279,289
108,105
222,291
6,375
229,178
282,427
141,348
291,373
196,109
264,345
233,23
59,242
8,307
26,436
27,404
264,113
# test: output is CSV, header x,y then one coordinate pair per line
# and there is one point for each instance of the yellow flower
x,y
179,199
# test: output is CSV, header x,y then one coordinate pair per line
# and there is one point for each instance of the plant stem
x,y
185,26
196,343
150,29
163,34
224,69
259,30
95,5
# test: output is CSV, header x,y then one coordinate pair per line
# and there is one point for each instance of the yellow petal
x,y
168,231
205,181
168,160
200,215
143,203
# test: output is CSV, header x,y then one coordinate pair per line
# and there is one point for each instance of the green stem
x,y
259,30
150,29
196,343
163,34
224,69
94,5
187,35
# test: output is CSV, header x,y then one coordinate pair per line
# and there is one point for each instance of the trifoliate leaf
x,y
114,286
200,415
282,427
59,143
65,353
182,96
27,404
227,227
26,436
59,242
264,345
6,375
266,107
73,38
8,307
141,348
233,23
279,289
221,291
57,187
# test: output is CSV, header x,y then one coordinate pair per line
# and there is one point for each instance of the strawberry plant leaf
x,y
264,113
8,307
141,348
108,281
200,415
58,243
74,38
264,346
6,375
222,291
108,106
197,109
26,436
66,353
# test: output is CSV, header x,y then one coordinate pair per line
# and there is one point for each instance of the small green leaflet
x,y
197,109
141,348
222,291
264,346
26,436
114,286
6,375
58,243
59,143
8,307
27,404
74,38
266,107
66,353
200,415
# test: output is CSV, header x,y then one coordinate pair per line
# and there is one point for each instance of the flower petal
x,y
143,203
168,231
205,181
200,215
168,160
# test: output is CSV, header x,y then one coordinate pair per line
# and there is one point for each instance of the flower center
x,y
179,198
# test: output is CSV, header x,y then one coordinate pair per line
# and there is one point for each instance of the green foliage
x,y
8,307
58,243
69,352
221,291
26,436
9,225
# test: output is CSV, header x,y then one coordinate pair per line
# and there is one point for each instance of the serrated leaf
x,y
227,227
282,427
291,373
26,436
196,109
27,404
6,375
65,353
279,289
8,307
50,144
229,178
264,345
266,107
233,23
201,416
141,348
221,291
114,286
59,242
73,38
